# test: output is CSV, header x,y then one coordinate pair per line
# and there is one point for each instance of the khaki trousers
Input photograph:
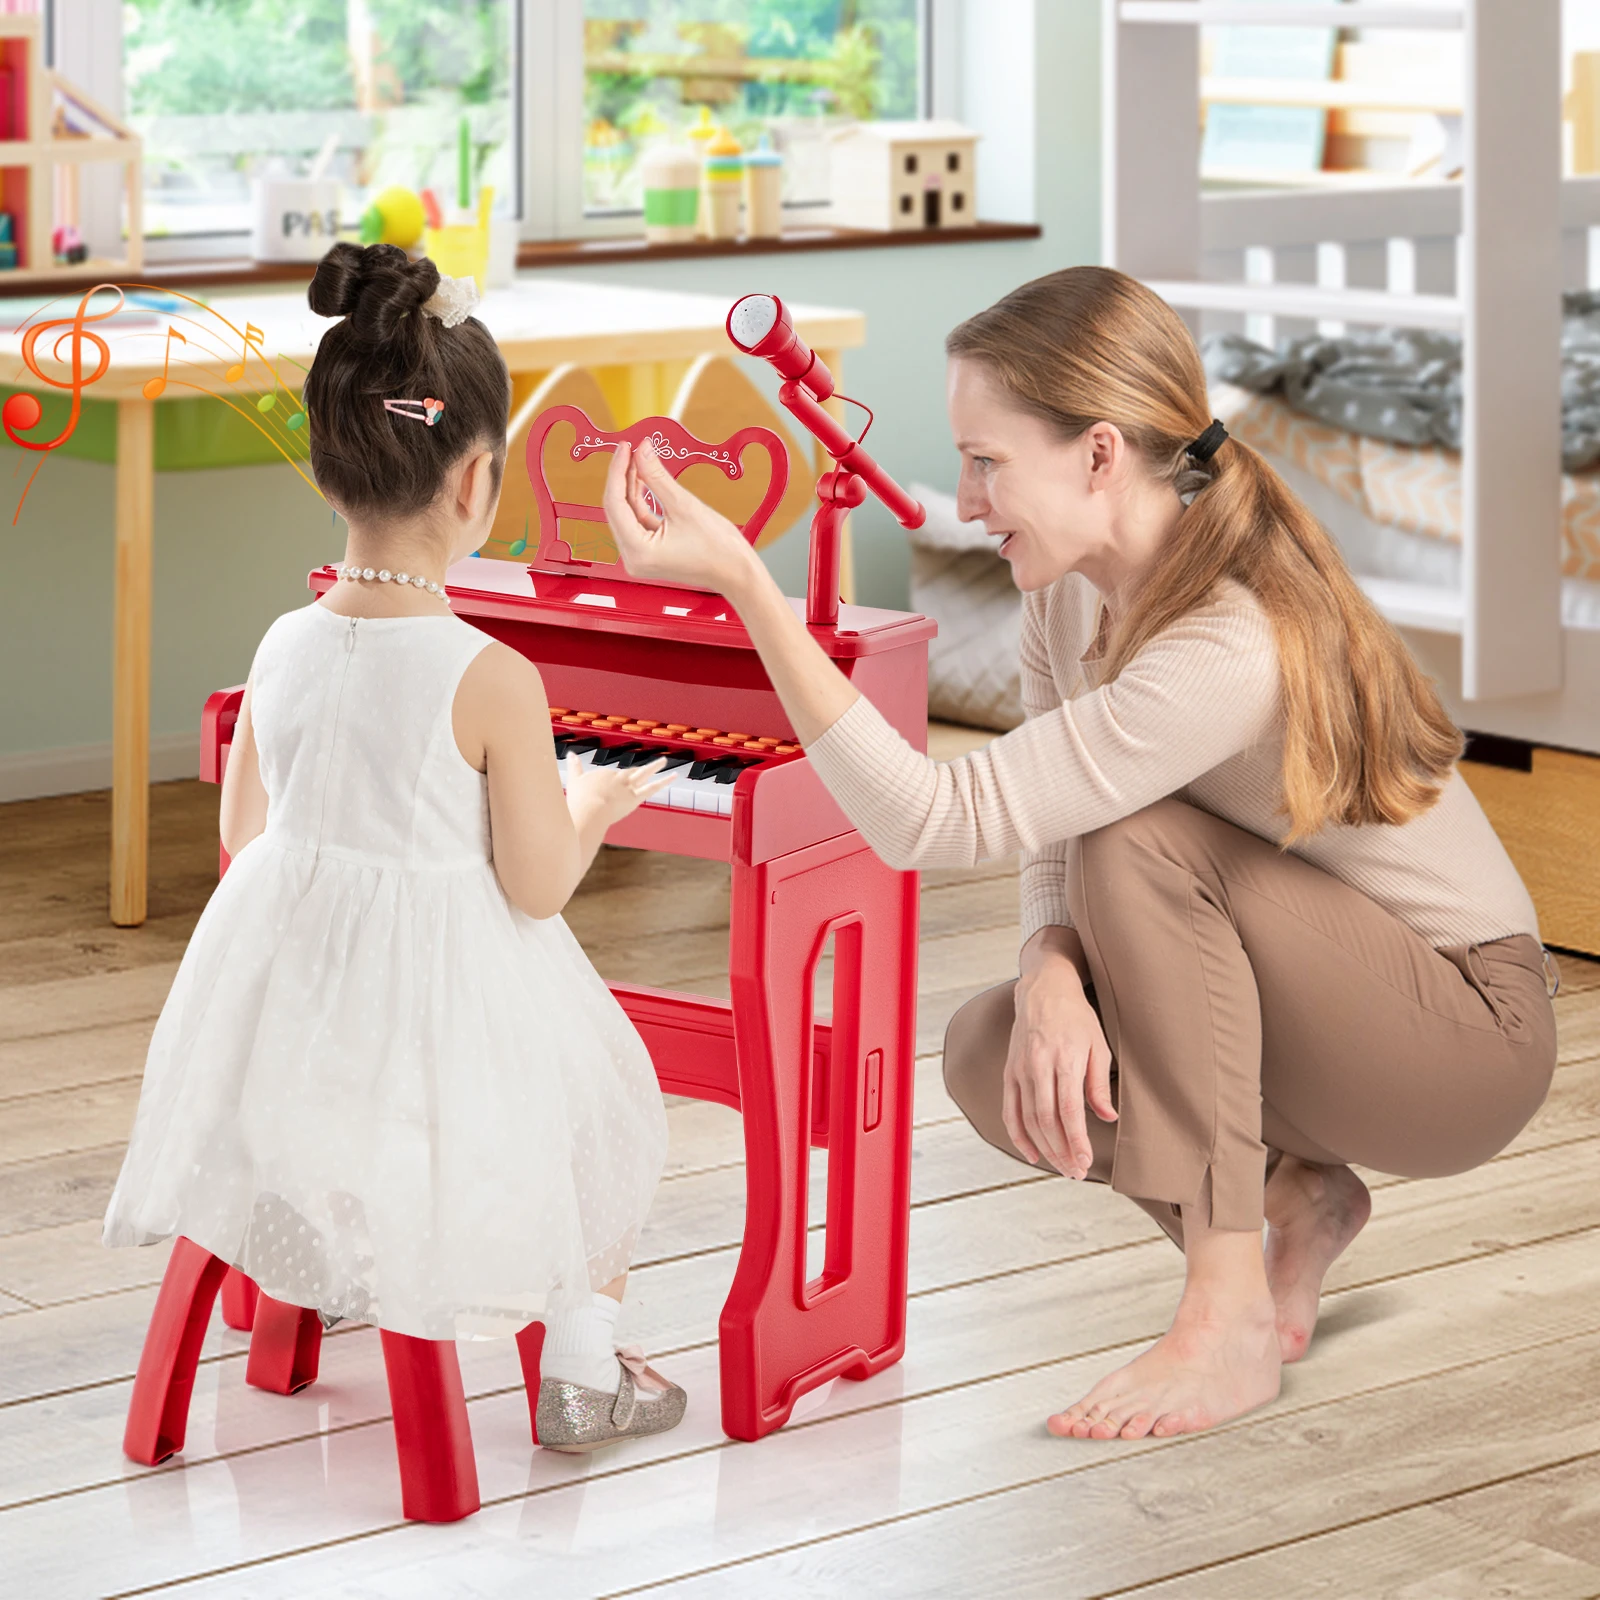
x,y
1255,1005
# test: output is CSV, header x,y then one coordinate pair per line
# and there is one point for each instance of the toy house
x,y
904,175
48,131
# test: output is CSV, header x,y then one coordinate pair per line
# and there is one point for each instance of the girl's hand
x,y
600,796
684,541
1058,1058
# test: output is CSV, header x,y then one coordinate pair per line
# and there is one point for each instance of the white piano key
x,y
681,797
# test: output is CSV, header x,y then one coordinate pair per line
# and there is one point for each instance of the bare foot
x,y
1312,1215
1218,1360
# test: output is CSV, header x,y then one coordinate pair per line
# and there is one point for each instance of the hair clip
x,y
418,410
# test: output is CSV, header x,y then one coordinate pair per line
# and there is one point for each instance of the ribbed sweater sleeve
x,y
1195,696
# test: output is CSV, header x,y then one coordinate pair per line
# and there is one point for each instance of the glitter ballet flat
x,y
573,1418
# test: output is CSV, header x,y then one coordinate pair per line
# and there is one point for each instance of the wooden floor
x,y
1441,1442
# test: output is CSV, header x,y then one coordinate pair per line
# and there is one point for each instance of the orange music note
x,y
252,339
22,410
156,387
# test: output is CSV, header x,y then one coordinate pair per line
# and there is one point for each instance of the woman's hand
x,y
1058,1059
678,538
600,796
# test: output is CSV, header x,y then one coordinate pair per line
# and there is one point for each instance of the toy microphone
x,y
759,326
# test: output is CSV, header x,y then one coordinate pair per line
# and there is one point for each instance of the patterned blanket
x,y
1414,487
1404,384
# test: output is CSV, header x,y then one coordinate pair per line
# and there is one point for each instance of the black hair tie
x,y
1207,445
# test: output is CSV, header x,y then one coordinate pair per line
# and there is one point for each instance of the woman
x,y
1267,930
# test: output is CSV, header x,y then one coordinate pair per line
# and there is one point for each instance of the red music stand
x,y
677,450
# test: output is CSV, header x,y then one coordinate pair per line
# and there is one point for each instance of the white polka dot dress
x,y
377,1087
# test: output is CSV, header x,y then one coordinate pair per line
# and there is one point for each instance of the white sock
x,y
580,1345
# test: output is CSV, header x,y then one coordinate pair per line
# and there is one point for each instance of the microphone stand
x,y
839,491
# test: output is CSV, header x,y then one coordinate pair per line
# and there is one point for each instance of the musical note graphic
x,y
252,339
156,387
22,410
209,333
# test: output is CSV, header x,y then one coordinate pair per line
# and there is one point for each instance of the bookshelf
x,y
49,131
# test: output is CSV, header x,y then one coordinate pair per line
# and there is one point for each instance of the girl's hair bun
x,y
377,286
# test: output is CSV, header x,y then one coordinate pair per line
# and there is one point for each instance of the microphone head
x,y
753,319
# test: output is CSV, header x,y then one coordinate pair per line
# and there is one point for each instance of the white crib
x,y
1488,256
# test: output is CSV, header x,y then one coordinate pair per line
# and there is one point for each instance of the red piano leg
x,y
239,1295
285,1347
158,1413
781,1334
438,1475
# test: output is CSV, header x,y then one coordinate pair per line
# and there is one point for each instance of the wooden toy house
x,y
904,175
48,131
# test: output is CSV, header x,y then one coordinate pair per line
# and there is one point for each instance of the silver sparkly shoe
x,y
573,1418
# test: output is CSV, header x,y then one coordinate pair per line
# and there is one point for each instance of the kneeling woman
x,y
1267,930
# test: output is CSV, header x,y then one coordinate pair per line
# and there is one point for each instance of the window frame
x,y
84,40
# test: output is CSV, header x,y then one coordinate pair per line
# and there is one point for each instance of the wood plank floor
x,y
1441,1441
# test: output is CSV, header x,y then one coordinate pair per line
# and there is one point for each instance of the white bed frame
x,y
1487,256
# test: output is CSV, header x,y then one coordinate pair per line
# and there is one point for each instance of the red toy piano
x,y
638,670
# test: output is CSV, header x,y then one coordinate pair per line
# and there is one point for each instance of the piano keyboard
x,y
704,763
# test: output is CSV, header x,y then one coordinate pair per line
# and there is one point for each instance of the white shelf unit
x,y
1485,256
1302,14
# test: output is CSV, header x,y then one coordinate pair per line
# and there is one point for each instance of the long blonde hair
x,y
1365,738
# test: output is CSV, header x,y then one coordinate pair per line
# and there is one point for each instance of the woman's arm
x,y
544,841
243,813
1201,692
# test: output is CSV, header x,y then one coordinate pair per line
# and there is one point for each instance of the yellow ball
x,y
401,211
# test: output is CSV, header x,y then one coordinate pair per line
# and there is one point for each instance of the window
x,y
911,162
560,97
225,92
952,162
794,70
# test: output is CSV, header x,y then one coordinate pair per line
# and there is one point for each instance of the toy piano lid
x,y
510,591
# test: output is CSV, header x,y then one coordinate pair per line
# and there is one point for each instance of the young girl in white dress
x,y
387,1083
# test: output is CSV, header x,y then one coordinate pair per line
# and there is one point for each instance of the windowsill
x,y
230,272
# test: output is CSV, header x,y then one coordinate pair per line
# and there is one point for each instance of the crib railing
x,y
1400,248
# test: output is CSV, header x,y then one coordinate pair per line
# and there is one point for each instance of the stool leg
x,y
530,1348
239,1300
285,1346
158,1413
438,1475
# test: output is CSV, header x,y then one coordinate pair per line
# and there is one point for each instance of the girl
x,y
387,1084
1267,930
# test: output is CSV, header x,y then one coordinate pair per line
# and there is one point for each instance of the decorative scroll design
x,y
678,450
718,456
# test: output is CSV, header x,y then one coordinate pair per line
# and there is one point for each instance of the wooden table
x,y
645,338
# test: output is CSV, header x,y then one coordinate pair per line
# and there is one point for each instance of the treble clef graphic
x,y
22,410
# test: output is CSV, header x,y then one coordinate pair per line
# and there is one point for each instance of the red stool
x,y
438,1474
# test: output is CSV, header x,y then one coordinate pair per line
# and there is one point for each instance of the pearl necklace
x,y
351,574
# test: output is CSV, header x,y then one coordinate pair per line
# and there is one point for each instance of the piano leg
x,y
782,1334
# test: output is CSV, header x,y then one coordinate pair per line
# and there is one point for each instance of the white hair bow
x,y
453,301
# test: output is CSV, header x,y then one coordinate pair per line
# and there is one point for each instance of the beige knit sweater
x,y
1195,714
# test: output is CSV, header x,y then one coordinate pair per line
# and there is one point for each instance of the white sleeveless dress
x,y
377,1087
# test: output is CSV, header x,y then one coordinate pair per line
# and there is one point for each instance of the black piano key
x,y
730,773
611,755
579,746
708,765
678,758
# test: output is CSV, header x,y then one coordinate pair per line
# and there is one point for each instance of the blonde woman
x,y
1267,930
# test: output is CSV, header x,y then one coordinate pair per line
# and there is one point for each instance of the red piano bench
x,y
438,1474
